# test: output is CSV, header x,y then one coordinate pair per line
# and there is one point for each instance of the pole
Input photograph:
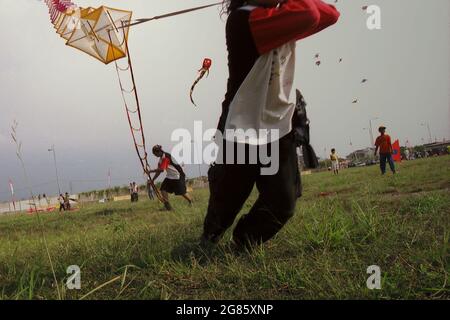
x,y
56,168
109,178
429,132
371,133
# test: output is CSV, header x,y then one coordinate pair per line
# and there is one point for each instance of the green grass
x,y
342,225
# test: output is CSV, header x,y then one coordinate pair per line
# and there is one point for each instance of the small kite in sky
x,y
203,70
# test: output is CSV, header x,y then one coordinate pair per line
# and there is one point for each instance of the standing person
x,y
334,161
150,193
46,200
135,192
261,38
383,143
67,201
130,189
407,154
175,181
61,203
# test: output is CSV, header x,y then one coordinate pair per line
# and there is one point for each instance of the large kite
x,y
103,34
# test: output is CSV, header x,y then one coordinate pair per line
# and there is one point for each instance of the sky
x,y
62,97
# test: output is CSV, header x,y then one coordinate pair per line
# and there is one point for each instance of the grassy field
x,y
342,225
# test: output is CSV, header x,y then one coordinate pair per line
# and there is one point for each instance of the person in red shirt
x,y
383,143
261,38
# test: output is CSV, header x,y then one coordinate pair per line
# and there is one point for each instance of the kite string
x,y
172,14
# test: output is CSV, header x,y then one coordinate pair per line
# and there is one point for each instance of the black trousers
x,y
231,184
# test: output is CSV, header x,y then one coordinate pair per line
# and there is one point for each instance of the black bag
x,y
300,126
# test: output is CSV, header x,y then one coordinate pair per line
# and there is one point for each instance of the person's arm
x,y
294,20
156,175
376,146
162,166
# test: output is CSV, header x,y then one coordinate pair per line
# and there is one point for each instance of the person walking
x,y
383,143
261,38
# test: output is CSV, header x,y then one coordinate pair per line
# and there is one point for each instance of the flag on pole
x,y
396,155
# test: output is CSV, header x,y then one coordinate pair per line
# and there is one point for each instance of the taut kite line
x,y
103,34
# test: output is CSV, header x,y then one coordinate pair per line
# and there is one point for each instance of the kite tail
x,y
202,74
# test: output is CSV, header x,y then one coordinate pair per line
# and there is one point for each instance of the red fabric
x,y
396,155
164,164
294,20
384,143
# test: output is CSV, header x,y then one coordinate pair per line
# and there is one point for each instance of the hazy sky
x,y
61,96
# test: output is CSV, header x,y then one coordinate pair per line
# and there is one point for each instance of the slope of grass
x,y
342,225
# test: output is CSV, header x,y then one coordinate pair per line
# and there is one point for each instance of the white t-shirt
x,y
166,163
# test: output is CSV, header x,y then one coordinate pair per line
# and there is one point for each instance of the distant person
x,y
407,156
383,143
135,192
67,201
46,199
175,181
150,191
334,161
61,202
130,189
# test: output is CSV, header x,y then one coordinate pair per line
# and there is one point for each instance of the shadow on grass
x,y
191,250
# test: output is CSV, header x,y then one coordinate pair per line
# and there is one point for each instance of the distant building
x,y
437,147
361,154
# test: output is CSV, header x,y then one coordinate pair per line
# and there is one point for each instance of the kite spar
x,y
103,34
